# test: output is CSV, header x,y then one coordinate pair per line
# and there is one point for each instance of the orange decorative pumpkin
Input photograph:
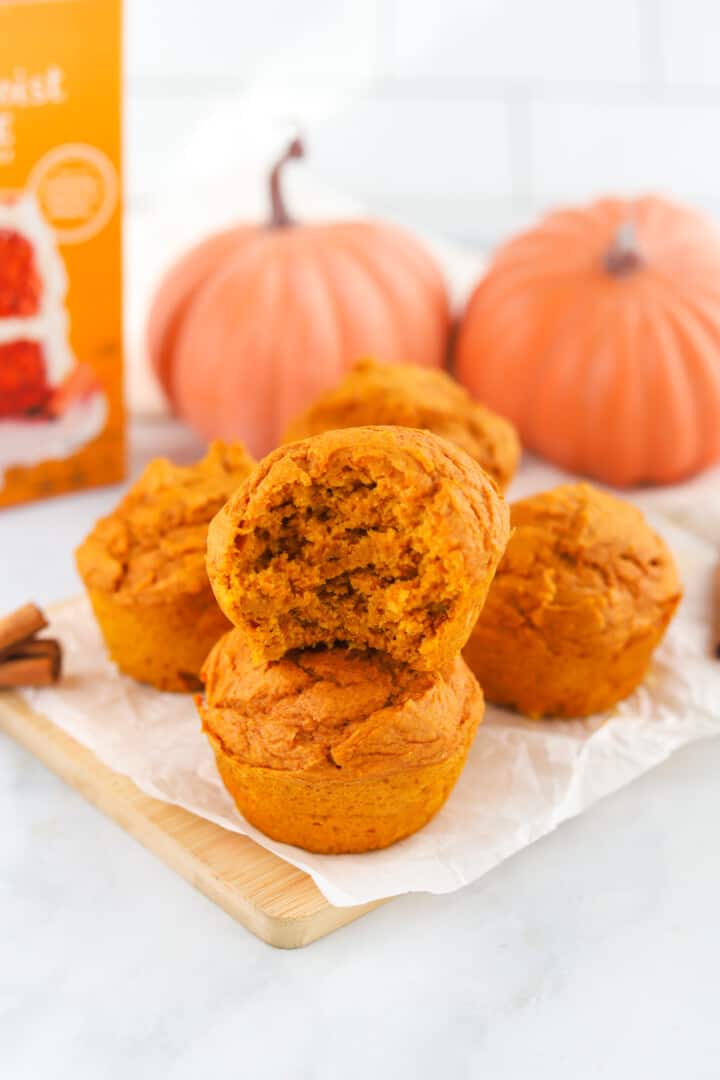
x,y
254,322
598,334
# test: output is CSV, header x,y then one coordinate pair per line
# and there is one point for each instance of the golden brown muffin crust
x,y
409,396
333,713
580,599
152,546
582,568
382,537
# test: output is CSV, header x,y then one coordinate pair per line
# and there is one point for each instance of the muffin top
x,y
583,570
152,546
415,397
376,537
334,712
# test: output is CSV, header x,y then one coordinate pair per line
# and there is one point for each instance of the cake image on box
x,y
50,404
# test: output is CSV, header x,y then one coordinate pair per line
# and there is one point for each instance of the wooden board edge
x,y
24,726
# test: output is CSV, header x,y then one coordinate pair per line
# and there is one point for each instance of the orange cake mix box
x,y
61,403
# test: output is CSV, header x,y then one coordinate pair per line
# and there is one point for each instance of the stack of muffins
x,y
353,565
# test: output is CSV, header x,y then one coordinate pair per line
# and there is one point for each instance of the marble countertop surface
x,y
593,953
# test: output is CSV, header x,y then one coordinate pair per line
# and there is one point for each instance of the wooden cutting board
x,y
278,903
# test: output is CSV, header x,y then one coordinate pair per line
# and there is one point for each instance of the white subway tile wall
x,y
554,41
467,116
233,42
691,35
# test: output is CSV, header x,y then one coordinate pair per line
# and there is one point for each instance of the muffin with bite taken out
x,y
381,538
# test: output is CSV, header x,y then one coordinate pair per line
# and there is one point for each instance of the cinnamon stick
x,y
19,625
41,646
26,660
33,647
28,671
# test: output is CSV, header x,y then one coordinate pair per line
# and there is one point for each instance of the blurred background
x,y
466,117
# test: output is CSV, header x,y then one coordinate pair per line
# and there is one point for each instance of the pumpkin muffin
x,y
376,537
582,597
144,568
415,397
336,750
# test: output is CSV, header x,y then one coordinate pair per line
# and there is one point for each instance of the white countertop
x,y
594,953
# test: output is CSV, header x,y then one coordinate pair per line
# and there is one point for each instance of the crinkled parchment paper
x,y
522,778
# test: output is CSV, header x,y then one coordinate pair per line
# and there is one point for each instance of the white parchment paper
x,y
522,778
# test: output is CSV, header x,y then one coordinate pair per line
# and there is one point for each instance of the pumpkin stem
x,y
279,217
624,257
